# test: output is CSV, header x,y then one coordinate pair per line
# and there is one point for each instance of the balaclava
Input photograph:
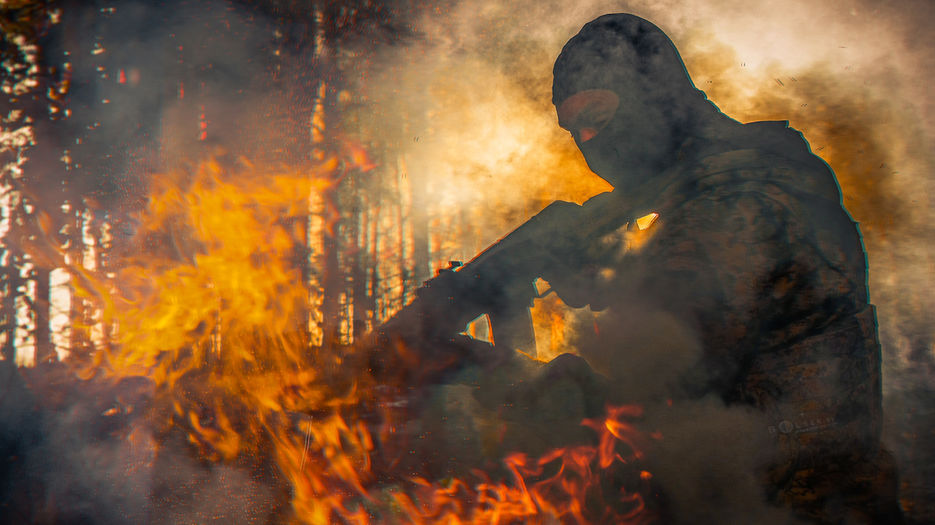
x,y
659,105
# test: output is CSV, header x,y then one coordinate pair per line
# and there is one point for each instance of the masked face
x,y
621,142
622,91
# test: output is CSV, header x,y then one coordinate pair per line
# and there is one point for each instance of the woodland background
x,y
440,113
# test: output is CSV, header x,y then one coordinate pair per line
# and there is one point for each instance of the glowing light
x,y
646,221
212,317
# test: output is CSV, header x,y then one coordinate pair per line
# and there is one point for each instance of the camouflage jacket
x,y
754,256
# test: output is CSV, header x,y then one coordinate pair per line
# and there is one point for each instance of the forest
x,y
204,205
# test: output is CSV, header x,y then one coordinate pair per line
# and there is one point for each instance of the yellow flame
x,y
212,309
646,221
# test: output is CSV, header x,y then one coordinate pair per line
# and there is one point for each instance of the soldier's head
x,y
621,89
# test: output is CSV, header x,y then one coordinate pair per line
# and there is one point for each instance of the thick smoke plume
x,y
851,76
465,99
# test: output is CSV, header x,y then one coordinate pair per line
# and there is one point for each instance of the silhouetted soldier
x,y
751,283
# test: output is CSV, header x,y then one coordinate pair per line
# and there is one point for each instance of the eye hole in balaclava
x,y
586,113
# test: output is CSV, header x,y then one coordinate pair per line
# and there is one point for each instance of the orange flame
x,y
574,492
213,311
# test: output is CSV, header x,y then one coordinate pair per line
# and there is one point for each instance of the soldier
x,y
751,263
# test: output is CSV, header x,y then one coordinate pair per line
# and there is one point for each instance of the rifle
x,y
500,281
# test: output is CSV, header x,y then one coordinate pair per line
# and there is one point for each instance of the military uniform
x,y
753,252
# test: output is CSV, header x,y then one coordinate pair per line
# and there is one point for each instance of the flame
x,y
646,221
553,322
532,495
210,307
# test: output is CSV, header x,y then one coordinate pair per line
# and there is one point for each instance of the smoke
x,y
707,460
848,75
466,101
852,76
87,452
151,86
140,77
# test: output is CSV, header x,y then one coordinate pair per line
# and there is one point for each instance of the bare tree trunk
x,y
78,314
362,301
45,351
302,260
333,280
403,262
418,218
9,282
332,277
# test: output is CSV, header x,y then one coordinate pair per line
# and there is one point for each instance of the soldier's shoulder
x,y
768,157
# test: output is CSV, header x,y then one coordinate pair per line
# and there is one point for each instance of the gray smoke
x,y
853,76
467,99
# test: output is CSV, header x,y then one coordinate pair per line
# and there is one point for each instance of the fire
x,y
646,221
554,324
534,495
209,305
